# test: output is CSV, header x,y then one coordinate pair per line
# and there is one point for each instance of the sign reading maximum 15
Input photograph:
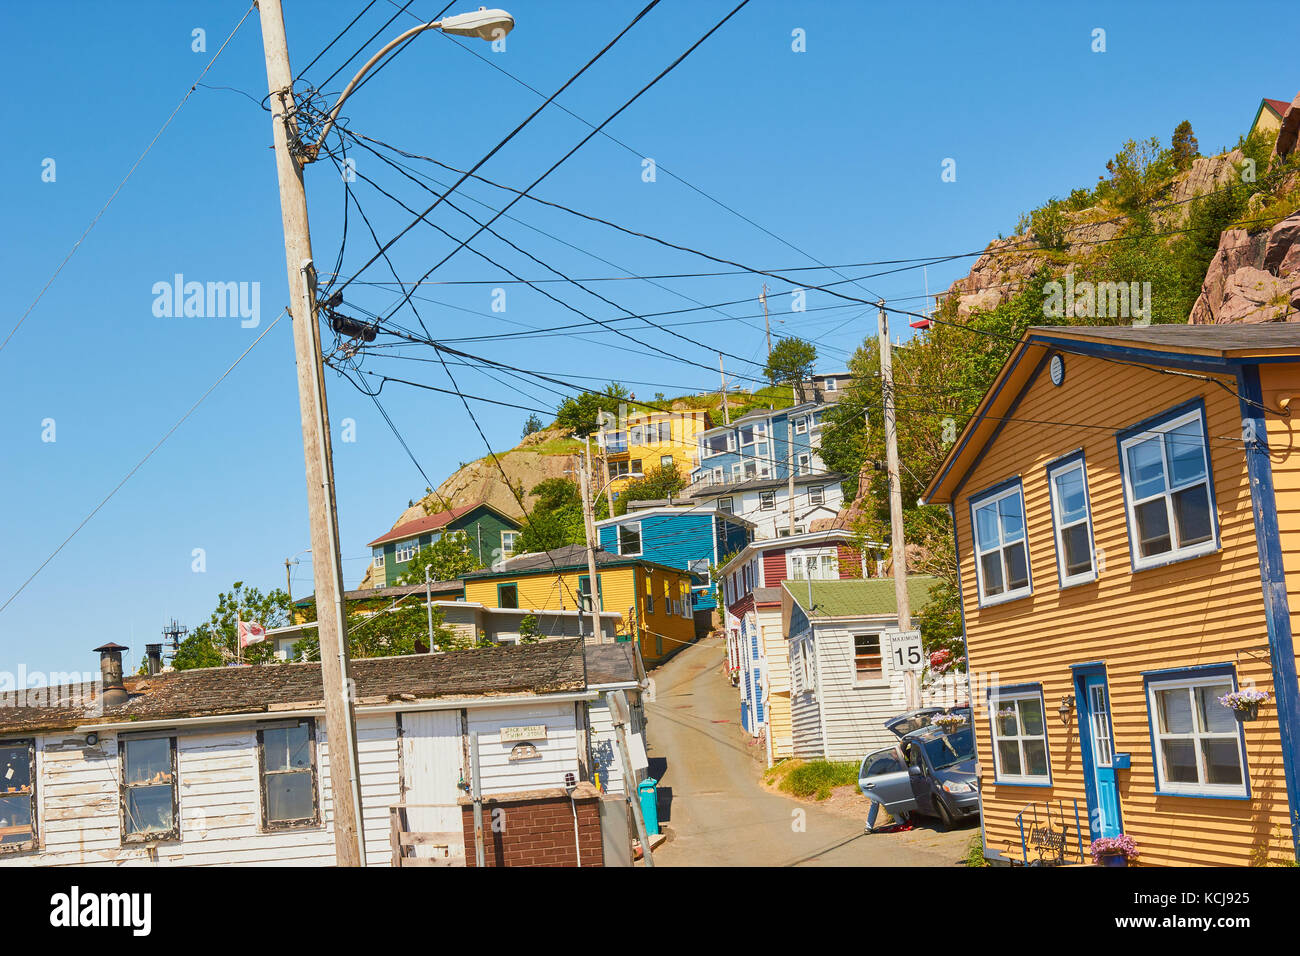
x,y
905,650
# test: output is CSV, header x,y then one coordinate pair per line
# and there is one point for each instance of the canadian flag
x,y
251,633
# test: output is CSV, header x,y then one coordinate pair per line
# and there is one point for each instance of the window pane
x,y
148,809
288,796
148,761
1017,566
15,768
1180,760
1013,522
1036,758
1070,499
1031,716
1175,711
1153,527
986,527
1185,446
509,595
992,565
1007,725
1146,466
1009,755
1078,555
286,748
1215,718
1192,512
15,819
1222,760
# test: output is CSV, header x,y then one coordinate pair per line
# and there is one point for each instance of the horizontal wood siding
x,y
1280,383
854,714
557,753
776,663
1207,610
773,568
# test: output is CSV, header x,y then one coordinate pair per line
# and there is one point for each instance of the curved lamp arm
x,y
484,24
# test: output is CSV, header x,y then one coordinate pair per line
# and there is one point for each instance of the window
x,y
1071,520
1019,736
806,672
649,594
715,444
666,461
1167,491
830,385
767,500
287,755
1001,557
584,593
816,494
805,464
508,543
148,788
700,566
636,467
718,475
867,664
629,538
17,794
727,505
801,425
378,554
406,550
820,564
508,595
1197,742
665,430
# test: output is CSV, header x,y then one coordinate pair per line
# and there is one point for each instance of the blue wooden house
x,y
693,538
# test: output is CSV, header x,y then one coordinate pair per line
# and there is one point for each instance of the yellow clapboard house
x,y
642,441
1126,504
653,600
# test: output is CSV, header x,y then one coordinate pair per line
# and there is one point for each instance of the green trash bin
x,y
649,793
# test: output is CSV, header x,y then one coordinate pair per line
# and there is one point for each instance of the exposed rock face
x,y
1253,278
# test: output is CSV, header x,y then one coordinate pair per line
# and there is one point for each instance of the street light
x,y
483,23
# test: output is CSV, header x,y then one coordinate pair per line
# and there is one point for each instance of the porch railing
x,y
1051,833
446,849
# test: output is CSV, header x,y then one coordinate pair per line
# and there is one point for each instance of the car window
x,y
950,749
912,755
883,763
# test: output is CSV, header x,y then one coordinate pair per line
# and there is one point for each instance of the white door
x,y
431,769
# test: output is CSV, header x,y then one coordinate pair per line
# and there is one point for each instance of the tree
x,y
791,363
447,559
1184,146
1139,171
215,641
660,483
533,424
555,519
401,628
581,414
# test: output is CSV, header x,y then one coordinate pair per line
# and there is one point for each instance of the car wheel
x,y
946,820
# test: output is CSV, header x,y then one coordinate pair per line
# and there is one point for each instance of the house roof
x,y
761,413
413,529
1277,106
613,663
546,667
454,586
571,557
869,597
1205,348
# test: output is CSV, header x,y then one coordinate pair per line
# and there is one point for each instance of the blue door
x,y
1095,733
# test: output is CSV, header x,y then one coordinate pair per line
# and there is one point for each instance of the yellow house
x,y
653,600
1268,118
643,441
1126,505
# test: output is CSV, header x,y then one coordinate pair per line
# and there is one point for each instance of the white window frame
x,y
816,494
730,507
765,495
1016,490
858,679
1054,471
507,550
821,564
408,547
801,425
997,699
378,555
1176,552
1189,680
639,540
829,384
803,464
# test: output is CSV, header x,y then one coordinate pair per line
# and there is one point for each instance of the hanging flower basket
x,y
948,722
1244,704
1114,851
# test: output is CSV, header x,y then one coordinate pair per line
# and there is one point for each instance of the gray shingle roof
x,y
1215,338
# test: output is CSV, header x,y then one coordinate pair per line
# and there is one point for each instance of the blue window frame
x,y
1018,722
997,519
1198,747
1067,485
1168,487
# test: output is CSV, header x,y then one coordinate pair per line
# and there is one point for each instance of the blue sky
x,y
837,150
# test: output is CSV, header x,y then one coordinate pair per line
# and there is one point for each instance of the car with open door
x,y
931,771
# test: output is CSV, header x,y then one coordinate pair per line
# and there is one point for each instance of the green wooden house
x,y
490,535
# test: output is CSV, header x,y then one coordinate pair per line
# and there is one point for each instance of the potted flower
x,y
1114,851
1244,704
948,722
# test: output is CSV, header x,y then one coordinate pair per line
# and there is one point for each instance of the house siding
x,y
1206,610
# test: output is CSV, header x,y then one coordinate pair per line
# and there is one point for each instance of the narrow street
x,y
713,801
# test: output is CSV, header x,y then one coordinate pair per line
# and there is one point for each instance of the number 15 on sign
x,y
905,650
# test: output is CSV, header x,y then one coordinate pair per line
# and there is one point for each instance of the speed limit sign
x,y
905,650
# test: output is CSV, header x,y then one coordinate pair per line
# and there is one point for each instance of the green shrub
x,y
817,778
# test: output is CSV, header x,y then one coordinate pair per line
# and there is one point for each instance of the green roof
x,y
861,597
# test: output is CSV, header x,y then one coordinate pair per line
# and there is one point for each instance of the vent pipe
x,y
153,653
110,671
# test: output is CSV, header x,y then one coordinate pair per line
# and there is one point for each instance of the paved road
x,y
718,812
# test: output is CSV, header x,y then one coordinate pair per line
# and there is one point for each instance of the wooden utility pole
x,y
428,603
897,542
589,523
620,714
794,461
767,323
349,844
288,581
726,412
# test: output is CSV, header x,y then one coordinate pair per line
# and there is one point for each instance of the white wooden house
x,y
231,765
613,667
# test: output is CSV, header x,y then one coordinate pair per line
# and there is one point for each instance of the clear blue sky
x,y
837,150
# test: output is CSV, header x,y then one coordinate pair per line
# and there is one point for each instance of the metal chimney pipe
x,y
110,670
153,653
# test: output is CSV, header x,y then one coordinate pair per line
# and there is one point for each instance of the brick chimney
x,y
110,670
